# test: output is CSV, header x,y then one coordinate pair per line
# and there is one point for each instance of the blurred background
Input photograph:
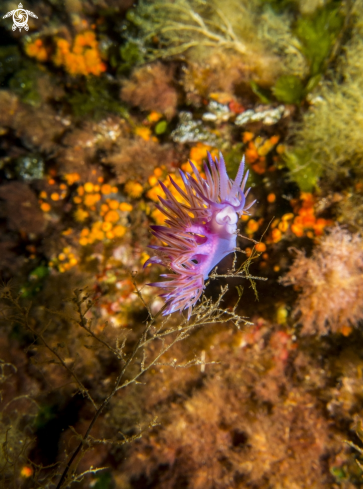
x,y
99,101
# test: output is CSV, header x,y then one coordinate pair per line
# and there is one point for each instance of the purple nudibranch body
x,y
200,234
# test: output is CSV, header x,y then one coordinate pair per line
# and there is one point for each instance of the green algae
x,y
131,55
263,94
289,89
233,159
328,139
20,75
35,283
10,61
161,127
103,481
317,34
303,170
95,97
24,84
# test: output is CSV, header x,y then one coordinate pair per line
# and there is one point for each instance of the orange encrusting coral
x,y
198,154
145,133
84,56
134,189
65,260
306,222
257,149
105,215
94,199
37,50
301,222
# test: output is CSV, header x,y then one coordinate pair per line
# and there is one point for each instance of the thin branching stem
x,y
83,324
24,318
206,312
106,400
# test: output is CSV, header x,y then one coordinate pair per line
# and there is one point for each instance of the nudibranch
x,y
198,235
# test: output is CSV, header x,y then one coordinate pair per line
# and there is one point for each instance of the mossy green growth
x,y
35,282
304,171
329,136
10,60
45,415
338,473
125,58
131,55
25,84
39,273
263,94
318,33
103,481
232,158
281,5
289,89
95,98
134,18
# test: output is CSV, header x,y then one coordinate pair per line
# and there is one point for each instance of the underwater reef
x,y
235,360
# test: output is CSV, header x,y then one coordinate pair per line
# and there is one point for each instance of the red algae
x,y
330,283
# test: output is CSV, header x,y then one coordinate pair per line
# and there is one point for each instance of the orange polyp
x,y
276,235
247,136
252,226
297,230
260,247
283,226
